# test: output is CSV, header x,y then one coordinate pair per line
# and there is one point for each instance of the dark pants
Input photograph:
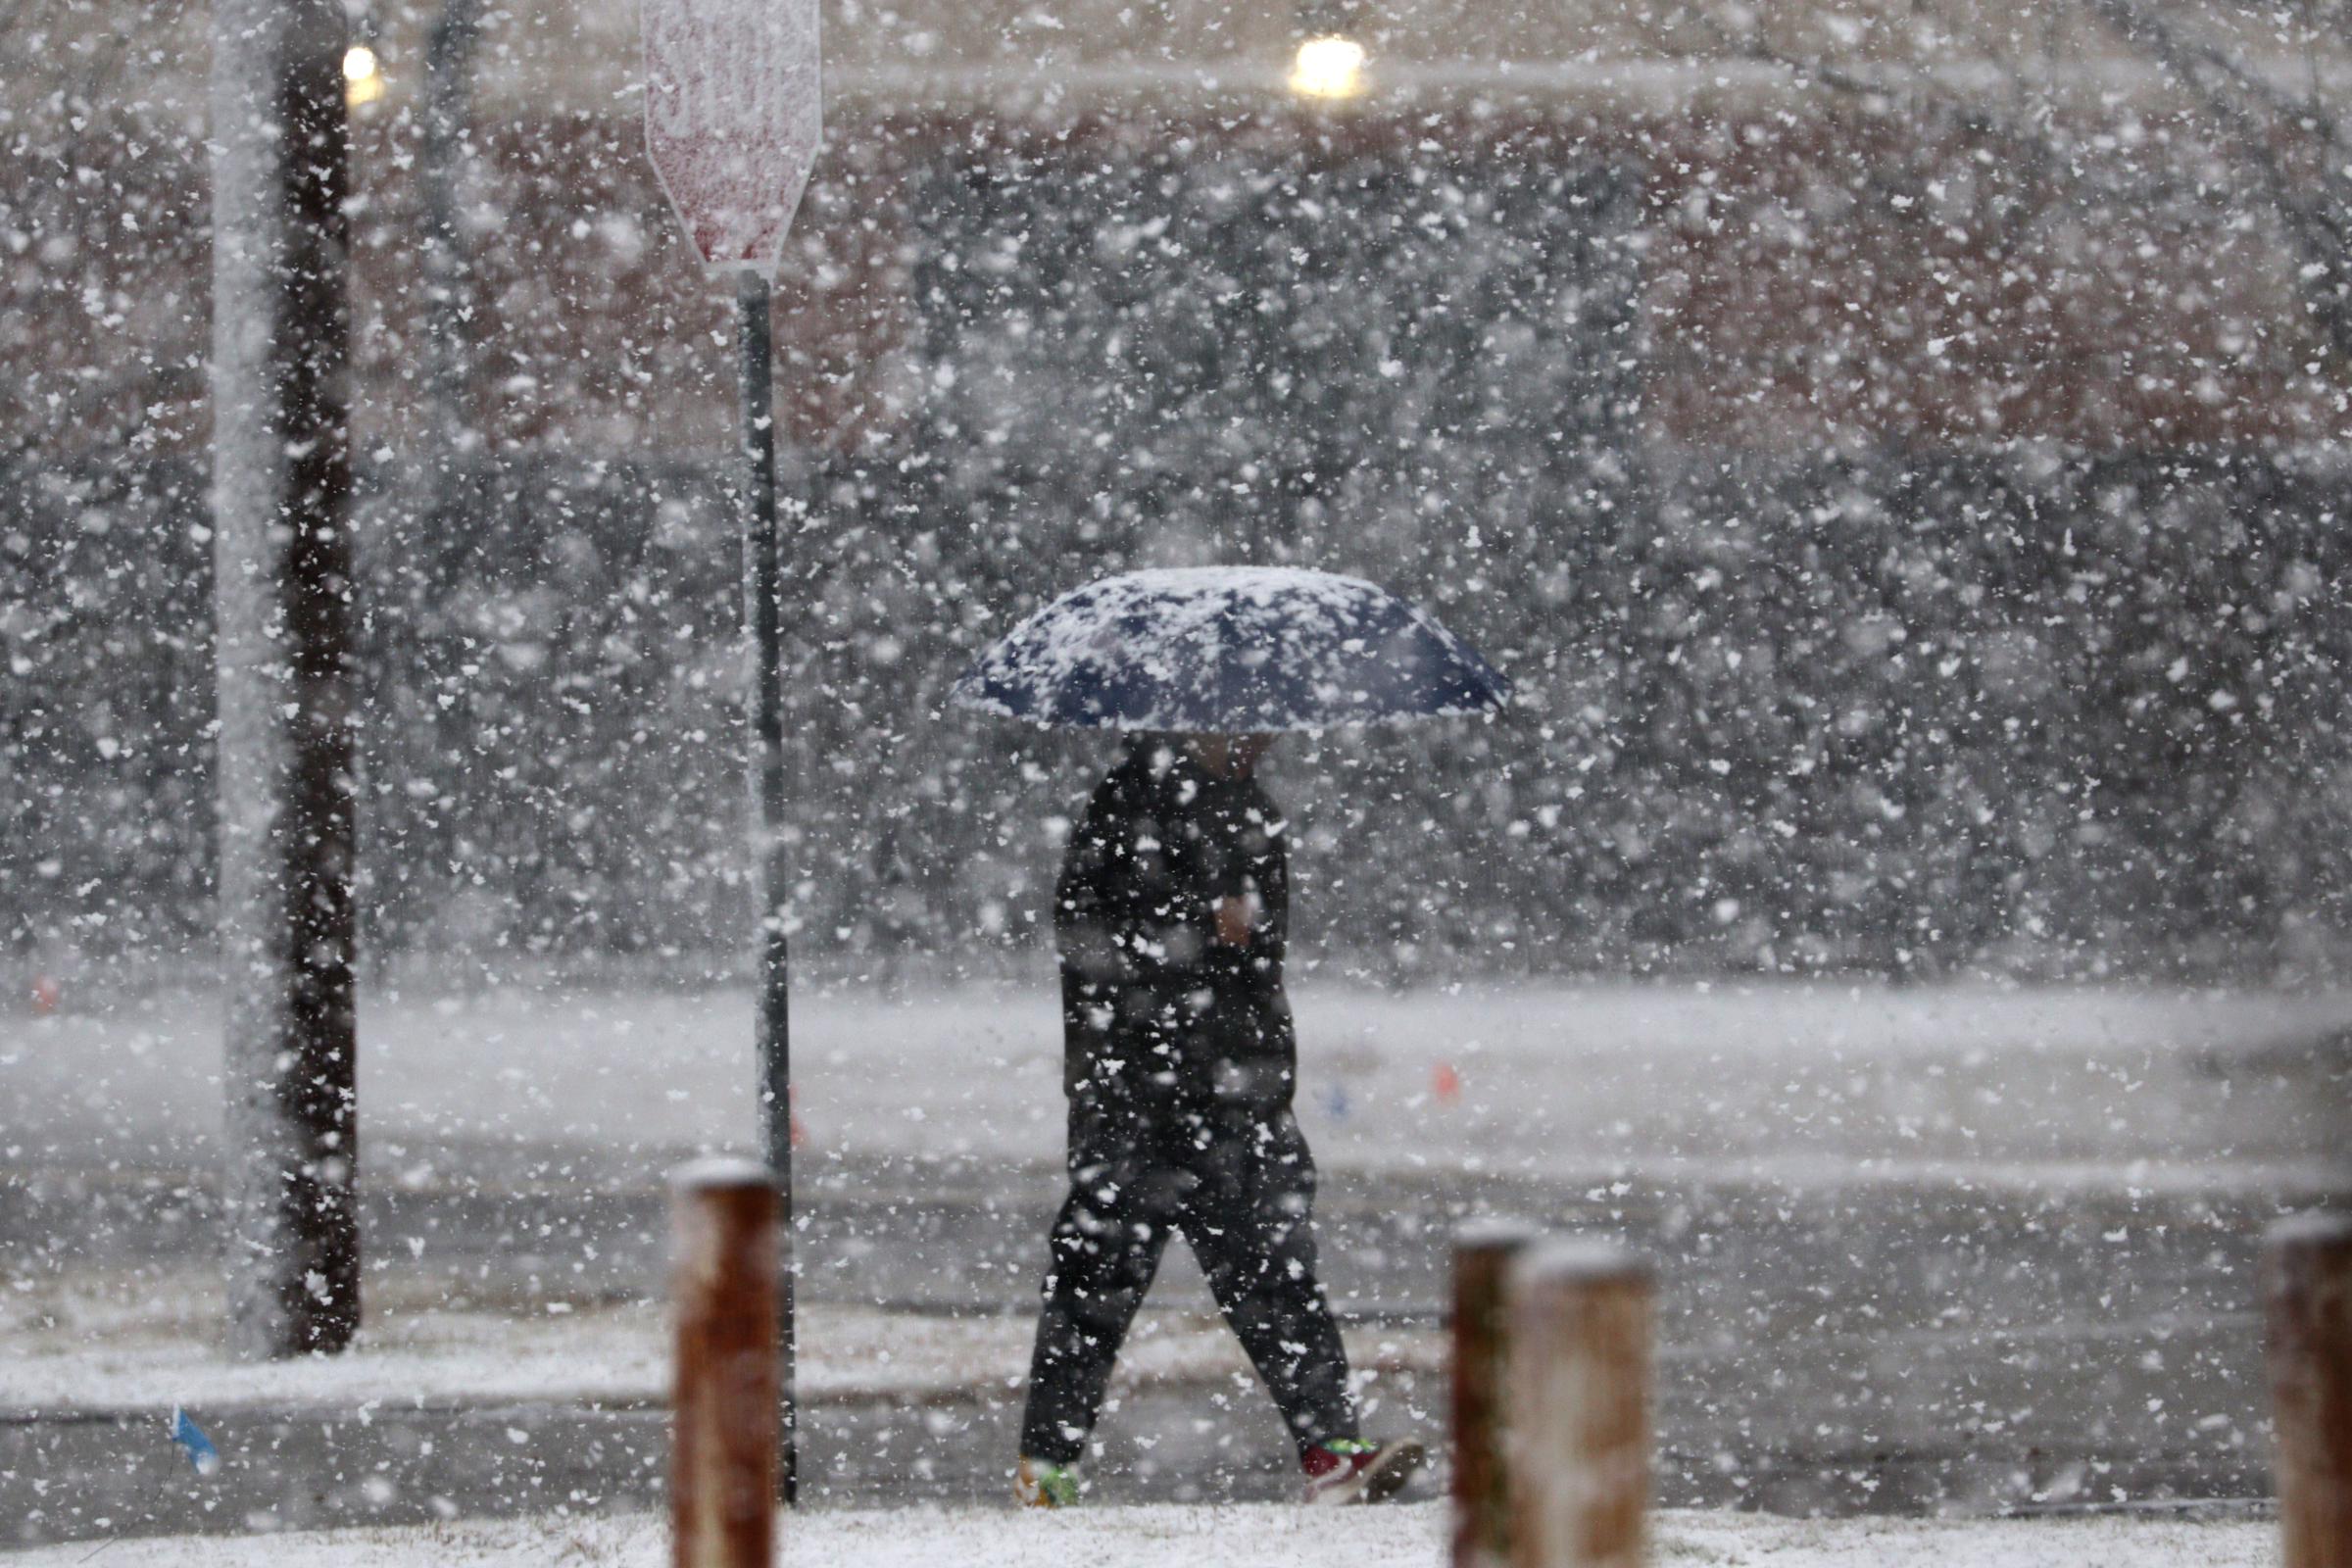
x,y
1241,1186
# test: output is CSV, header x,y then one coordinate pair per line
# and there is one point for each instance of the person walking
x,y
1171,915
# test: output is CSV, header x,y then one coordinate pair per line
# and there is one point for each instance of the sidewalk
x,y
1230,1536
98,1351
441,1413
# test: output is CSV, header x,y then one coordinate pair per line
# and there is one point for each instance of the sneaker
x,y
1351,1470
1042,1483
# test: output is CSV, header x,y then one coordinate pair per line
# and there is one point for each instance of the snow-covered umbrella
x,y
1228,649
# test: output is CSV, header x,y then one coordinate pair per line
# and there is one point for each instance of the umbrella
x,y
1231,649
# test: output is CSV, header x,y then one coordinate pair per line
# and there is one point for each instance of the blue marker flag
x,y
192,1441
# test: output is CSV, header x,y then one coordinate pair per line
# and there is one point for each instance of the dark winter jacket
x,y
1157,1015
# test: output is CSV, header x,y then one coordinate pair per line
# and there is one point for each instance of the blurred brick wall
x,y
1841,278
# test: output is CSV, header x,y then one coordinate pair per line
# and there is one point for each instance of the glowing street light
x,y
1329,68
363,76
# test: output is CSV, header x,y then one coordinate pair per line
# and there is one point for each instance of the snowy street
x,y
1808,1085
1983,1250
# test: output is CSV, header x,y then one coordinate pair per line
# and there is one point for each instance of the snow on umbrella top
x,y
1232,649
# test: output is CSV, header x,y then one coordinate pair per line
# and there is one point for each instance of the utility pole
x,y
282,565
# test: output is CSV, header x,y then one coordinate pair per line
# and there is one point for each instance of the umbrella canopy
x,y
1228,649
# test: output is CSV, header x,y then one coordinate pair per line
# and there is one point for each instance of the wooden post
x,y
2307,1288
722,1495
1576,1406
1483,1251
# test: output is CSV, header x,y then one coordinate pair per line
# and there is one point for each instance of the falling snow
x,y
1843,504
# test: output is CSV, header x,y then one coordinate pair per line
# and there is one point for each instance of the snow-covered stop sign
x,y
732,120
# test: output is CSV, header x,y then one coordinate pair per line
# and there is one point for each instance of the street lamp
x,y
1329,67
363,76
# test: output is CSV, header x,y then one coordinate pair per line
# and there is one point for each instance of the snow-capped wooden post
x,y
2307,1286
722,1496
1576,1405
1483,1251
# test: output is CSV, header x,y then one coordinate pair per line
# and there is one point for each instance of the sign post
x,y
732,122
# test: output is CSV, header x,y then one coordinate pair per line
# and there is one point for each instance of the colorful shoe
x,y
1350,1470
1042,1483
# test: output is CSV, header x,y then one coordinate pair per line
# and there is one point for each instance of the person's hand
x,y
1234,916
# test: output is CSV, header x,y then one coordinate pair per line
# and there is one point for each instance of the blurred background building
x,y
1896,447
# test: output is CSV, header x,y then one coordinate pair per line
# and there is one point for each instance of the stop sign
x,y
732,120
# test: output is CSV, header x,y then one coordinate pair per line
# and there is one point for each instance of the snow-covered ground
x,y
1802,1084
1923,1248
1231,1537
120,1352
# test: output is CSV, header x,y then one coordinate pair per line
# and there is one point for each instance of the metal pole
x,y
282,586
763,613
